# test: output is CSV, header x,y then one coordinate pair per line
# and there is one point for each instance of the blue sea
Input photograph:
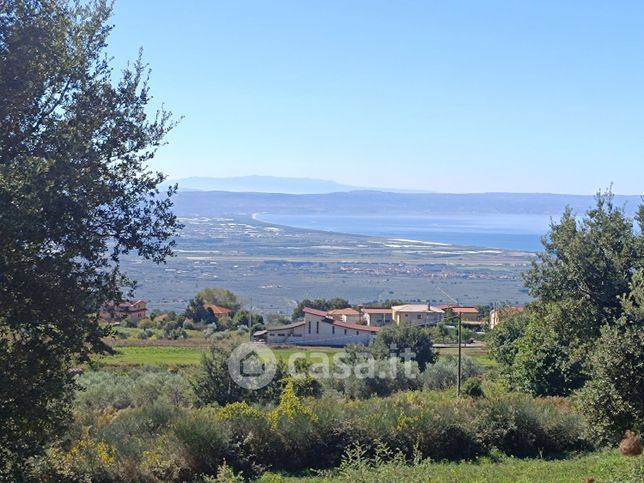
x,y
492,230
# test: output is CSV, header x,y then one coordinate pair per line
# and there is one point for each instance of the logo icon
x,y
252,366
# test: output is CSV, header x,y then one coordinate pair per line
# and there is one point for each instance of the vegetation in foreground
x,y
600,467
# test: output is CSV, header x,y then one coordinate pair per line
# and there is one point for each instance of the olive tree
x,y
75,196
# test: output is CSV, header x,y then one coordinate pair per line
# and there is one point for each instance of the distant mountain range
x,y
216,203
271,184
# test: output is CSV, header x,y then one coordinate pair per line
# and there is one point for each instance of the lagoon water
x,y
493,230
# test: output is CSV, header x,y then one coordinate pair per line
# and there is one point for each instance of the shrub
x,y
201,441
145,324
214,384
443,373
100,390
472,388
188,324
519,425
389,377
612,399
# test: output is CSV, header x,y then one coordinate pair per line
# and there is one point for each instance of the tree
x,y
242,318
613,400
320,304
75,195
502,340
220,296
198,313
585,268
442,331
395,339
543,364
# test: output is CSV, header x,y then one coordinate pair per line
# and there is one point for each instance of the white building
x,y
319,329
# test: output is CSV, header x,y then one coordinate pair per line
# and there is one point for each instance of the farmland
x,y
272,267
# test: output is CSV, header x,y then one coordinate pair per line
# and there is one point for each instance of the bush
x,y
100,390
612,399
145,324
188,324
521,426
387,379
201,441
145,334
472,388
443,373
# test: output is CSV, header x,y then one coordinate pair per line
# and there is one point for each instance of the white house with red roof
x,y
320,329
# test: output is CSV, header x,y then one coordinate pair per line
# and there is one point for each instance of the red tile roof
x,y
217,309
319,313
345,311
376,310
465,310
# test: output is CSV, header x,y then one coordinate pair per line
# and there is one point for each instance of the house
x,y
468,314
218,310
496,315
417,314
377,316
132,310
319,329
346,315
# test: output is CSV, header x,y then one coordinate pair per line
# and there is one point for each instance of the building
x,y
468,314
496,315
132,310
346,315
319,329
218,310
417,314
377,316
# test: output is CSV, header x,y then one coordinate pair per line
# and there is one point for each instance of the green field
x,y
188,352
606,466
152,356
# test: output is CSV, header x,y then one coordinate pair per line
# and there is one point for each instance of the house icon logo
x,y
252,366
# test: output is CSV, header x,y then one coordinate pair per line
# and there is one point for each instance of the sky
x,y
449,96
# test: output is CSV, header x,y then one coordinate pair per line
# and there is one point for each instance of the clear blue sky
x,y
454,96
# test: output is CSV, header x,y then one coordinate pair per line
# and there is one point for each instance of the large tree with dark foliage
x,y
578,282
75,196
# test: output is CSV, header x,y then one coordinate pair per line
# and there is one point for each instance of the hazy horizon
x,y
477,97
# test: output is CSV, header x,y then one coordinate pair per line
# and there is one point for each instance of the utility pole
x,y
460,320
250,321
458,379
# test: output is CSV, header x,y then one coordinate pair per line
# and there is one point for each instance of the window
x,y
419,316
317,327
357,333
309,326
333,329
345,331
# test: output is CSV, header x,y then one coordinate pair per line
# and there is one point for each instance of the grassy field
x,y
479,354
169,353
606,466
